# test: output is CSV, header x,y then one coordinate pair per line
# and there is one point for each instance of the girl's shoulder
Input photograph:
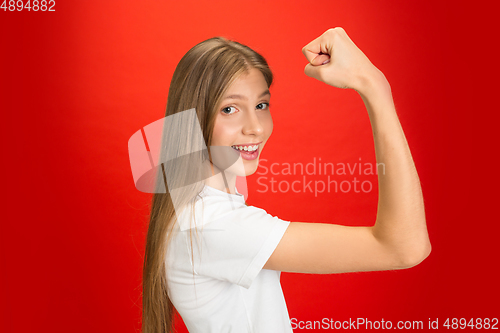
x,y
211,205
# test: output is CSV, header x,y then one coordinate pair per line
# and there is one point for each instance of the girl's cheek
x,y
217,134
223,133
269,125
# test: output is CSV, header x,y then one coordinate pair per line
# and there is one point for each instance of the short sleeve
x,y
234,246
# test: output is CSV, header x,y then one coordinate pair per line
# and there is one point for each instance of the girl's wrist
x,y
373,86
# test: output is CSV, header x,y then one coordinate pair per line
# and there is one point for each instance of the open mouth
x,y
248,151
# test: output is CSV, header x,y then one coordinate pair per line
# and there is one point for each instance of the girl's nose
x,y
252,125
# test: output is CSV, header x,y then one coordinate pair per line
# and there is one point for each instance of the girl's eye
x,y
229,110
262,106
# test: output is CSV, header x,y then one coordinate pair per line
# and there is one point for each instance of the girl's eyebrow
x,y
267,92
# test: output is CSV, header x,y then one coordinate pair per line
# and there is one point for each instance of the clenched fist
x,y
335,60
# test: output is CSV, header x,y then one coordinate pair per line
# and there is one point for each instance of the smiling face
x,y
243,120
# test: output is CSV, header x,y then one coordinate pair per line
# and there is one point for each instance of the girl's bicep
x,y
328,248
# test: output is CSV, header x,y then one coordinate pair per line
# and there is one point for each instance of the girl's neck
x,y
222,181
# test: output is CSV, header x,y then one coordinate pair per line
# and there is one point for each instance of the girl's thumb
x,y
312,71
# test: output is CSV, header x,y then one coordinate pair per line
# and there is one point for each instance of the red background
x,y
78,82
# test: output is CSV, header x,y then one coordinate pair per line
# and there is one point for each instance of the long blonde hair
x,y
200,80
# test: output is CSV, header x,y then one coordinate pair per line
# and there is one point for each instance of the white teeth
x,y
246,148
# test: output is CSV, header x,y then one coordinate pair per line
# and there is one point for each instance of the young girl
x,y
217,260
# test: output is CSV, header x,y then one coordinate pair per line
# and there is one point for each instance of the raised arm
x,y
399,237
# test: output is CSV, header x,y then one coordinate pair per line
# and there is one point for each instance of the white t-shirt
x,y
217,284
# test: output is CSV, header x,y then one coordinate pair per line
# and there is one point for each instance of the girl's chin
x,y
251,167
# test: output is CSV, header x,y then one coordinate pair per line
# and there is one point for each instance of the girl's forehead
x,y
250,82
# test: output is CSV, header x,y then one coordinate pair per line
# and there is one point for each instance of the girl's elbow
x,y
416,255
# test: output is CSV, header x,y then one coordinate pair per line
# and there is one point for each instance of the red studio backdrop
x,y
78,81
